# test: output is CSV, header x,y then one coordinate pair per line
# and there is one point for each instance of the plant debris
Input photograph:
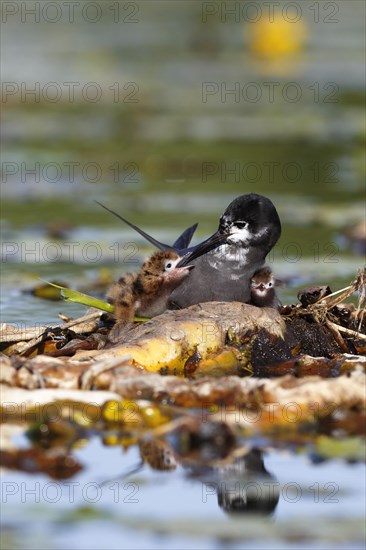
x,y
187,386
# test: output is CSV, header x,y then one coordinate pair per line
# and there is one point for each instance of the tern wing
x,y
158,244
185,238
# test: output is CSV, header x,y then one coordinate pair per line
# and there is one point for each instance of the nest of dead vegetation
x,y
190,386
322,336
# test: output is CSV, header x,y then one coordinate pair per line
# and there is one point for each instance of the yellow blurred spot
x,y
153,417
213,409
277,38
111,440
125,412
127,441
81,443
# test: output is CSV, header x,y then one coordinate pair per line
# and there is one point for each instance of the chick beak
x,y
184,270
260,287
178,274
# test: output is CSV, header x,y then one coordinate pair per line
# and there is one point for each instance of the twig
x,y
335,293
334,329
332,303
48,331
358,284
89,317
361,283
348,331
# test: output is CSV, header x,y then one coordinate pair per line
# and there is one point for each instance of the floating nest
x,y
318,336
302,365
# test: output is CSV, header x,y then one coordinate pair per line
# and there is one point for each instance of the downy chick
x,y
146,292
262,289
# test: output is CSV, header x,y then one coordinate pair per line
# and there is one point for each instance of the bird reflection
x,y
237,476
242,484
247,487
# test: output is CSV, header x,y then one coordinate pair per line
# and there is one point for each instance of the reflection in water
x,y
243,486
158,454
238,476
242,483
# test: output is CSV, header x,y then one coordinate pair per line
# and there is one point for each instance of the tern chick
x,y
146,292
262,289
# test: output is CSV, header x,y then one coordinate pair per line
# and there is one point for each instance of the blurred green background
x,y
166,111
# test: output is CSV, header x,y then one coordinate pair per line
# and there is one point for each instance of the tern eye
x,y
241,225
270,284
168,266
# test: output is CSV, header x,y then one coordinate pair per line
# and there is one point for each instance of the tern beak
x,y
212,242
